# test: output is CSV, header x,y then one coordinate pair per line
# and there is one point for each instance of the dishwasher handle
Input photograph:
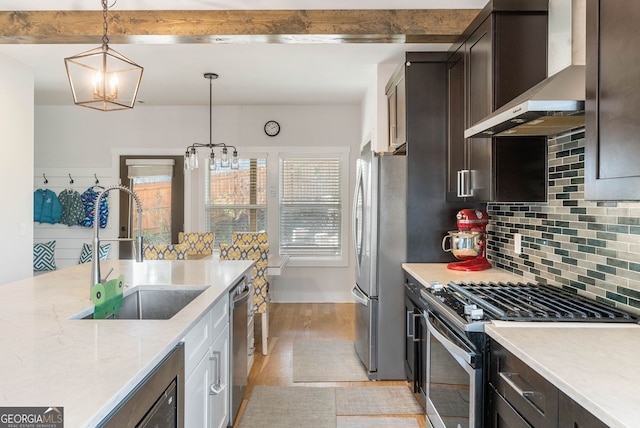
x,y
242,298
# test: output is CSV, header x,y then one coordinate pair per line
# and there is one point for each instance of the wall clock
x,y
272,128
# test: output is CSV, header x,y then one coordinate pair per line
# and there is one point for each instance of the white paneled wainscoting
x,y
69,239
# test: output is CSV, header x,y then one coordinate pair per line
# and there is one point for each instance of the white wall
x,y
16,170
68,137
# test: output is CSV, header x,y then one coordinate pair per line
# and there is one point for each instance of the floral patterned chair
x,y
165,252
259,253
248,238
200,243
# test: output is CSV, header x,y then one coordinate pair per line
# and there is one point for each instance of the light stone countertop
x,y
89,366
597,365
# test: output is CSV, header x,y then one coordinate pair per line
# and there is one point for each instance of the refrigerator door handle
x,y
359,295
355,219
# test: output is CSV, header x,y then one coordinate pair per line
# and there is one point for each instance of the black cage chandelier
x,y
102,78
191,155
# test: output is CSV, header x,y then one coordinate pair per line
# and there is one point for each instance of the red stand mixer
x,y
468,242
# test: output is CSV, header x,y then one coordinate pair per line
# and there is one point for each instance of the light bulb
x,y
224,158
235,162
186,160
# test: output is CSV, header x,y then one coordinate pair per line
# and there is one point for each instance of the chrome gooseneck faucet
x,y
95,265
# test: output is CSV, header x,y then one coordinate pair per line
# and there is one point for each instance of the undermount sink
x,y
152,302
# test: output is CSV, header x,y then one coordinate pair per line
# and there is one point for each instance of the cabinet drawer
x,y
531,395
197,342
504,415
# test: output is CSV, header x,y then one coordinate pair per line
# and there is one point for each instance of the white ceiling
x,y
250,73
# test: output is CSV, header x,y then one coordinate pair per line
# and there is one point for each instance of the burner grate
x,y
536,302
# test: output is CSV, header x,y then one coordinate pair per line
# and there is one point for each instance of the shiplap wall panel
x,y
69,239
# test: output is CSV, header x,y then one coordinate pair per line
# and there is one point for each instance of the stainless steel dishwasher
x,y
238,301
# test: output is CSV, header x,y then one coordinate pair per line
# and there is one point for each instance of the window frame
x,y
273,154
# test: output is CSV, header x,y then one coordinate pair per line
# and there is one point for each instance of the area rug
x,y
290,407
383,400
376,422
326,361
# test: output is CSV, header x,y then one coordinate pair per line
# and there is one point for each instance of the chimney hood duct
x,y
554,105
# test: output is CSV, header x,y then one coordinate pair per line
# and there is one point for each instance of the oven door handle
x,y
457,352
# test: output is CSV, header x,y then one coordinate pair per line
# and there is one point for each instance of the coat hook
x,y
45,178
70,179
97,181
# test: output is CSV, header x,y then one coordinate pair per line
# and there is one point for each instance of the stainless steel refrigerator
x,y
380,240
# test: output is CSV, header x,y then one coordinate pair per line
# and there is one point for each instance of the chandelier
x,y
191,155
102,78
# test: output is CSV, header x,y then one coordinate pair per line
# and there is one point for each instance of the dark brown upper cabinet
x,y
502,53
612,127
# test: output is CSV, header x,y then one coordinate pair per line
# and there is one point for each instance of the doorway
x,y
160,186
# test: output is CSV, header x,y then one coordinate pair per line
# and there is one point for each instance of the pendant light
x,y
191,154
102,78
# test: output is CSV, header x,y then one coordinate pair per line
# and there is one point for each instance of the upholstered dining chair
x,y
165,251
248,238
259,253
200,243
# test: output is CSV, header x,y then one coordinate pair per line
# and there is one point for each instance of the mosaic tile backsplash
x,y
589,247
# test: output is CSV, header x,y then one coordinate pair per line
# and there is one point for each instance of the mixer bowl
x,y
464,245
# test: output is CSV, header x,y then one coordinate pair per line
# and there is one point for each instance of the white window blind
x,y
150,167
236,200
310,206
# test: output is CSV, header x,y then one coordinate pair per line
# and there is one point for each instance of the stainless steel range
x,y
457,348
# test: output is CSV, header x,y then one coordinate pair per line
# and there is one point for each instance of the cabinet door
x,y
196,391
479,55
456,143
575,416
219,379
401,112
410,349
392,119
612,170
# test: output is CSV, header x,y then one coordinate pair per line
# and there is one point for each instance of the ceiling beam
x,y
228,26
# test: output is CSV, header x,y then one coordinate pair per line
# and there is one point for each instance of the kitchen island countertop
x,y
595,364
87,367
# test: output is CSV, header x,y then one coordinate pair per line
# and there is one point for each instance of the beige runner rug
x,y
290,407
326,361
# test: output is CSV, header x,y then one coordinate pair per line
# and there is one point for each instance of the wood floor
x,y
291,321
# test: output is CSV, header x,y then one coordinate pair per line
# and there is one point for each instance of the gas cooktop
x,y
482,302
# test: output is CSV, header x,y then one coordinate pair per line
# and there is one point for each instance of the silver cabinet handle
x,y
464,183
415,317
216,387
508,379
410,334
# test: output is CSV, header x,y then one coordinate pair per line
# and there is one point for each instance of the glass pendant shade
x,y
103,79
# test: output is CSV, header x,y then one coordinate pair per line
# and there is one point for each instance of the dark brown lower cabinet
x,y
573,415
519,397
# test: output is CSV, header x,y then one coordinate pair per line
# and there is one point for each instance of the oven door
x,y
454,377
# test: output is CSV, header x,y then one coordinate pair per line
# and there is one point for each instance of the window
x,y
236,200
311,206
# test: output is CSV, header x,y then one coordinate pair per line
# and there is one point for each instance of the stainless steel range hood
x,y
557,103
